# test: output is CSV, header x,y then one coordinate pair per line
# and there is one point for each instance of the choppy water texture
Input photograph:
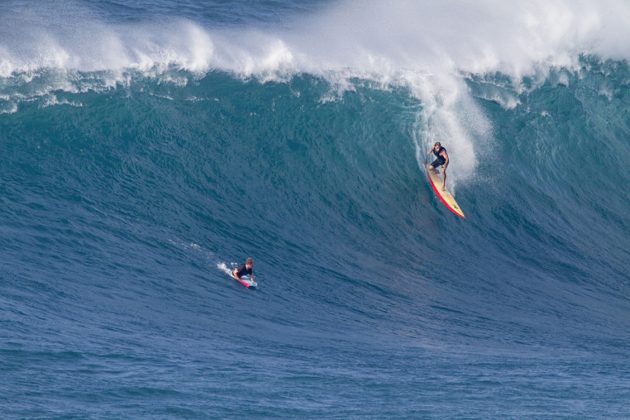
x,y
143,143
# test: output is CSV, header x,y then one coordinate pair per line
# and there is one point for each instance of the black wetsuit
x,y
243,271
440,159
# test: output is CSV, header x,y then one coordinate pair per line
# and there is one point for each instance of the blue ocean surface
x,y
145,143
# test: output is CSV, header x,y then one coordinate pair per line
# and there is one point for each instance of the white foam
x,y
8,108
369,38
223,267
52,100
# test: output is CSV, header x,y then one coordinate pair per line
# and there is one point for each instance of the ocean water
x,y
145,142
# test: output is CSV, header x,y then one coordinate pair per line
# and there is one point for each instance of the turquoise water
x,y
123,187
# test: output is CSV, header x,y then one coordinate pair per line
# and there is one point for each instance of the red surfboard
x,y
246,281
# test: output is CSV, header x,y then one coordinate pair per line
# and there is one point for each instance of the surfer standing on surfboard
x,y
441,160
245,269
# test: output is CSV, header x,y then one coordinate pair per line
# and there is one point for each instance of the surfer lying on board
x,y
245,269
441,160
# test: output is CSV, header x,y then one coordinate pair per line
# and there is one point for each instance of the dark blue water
x,y
127,177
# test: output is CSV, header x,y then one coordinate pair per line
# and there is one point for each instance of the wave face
x,y
144,143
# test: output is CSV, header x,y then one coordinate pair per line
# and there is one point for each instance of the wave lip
x,y
363,38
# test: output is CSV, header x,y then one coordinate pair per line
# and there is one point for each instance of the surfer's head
x,y
249,262
437,145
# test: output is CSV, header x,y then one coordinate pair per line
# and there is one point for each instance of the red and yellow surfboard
x,y
435,180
